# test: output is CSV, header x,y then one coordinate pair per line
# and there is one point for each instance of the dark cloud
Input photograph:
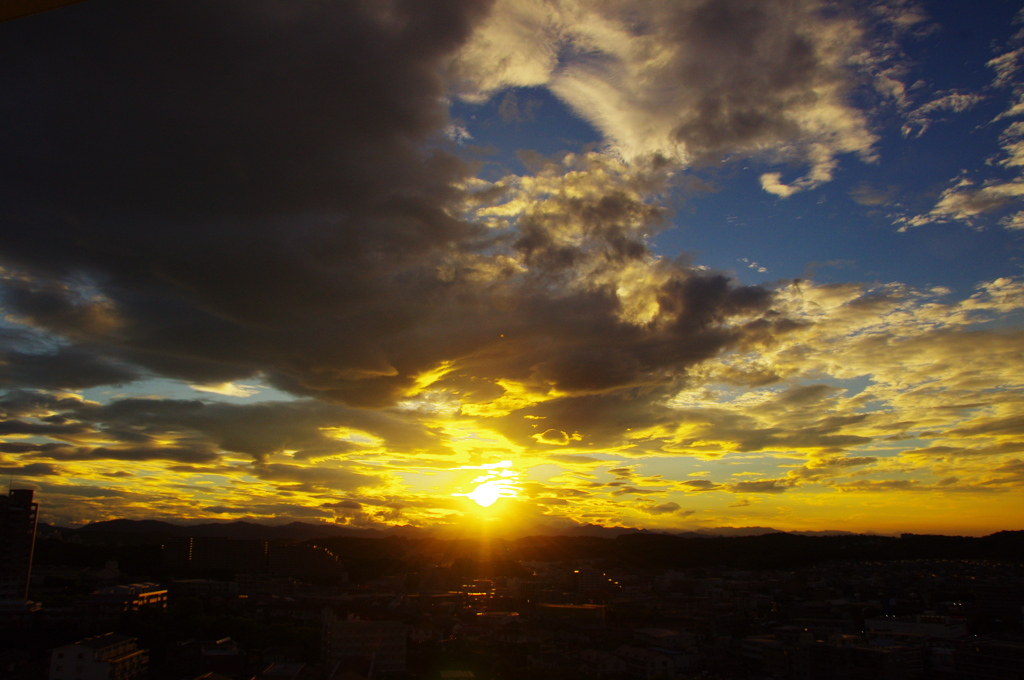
x,y
23,428
215,192
30,447
830,466
571,458
878,485
763,66
1010,425
344,505
216,177
67,367
222,509
57,306
198,453
257,430
800,397
669,508
311,479
30,470
16,403
761,486
83,491
633,490
701,485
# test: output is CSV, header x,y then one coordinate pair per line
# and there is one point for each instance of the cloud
x,y
1006,66
921,118
877,485
700,485
248,211
669,508
30,470
772,486
691,81
872,197
831,466
967,200
962,202
329,245
574,459
553,436
276,216
320,478
302,429
346,505
228,389
65,368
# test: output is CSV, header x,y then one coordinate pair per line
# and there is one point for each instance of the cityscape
x,y
142,599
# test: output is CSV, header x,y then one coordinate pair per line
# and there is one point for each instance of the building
x,y
195,657
371,647
115,601
18,516
104,657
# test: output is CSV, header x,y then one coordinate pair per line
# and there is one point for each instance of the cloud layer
x,y
212,194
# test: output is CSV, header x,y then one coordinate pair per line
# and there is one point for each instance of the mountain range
x,y
304,531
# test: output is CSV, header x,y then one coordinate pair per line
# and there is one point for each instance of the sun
x,y
497,482
486,493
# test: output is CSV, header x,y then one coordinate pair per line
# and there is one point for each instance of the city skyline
x,y
674,266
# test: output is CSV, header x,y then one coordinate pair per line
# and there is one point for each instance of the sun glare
x,y
486,494
497,482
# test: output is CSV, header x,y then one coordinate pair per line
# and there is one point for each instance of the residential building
x,y
113,602
105,657
379,646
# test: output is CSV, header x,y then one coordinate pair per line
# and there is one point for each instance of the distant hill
x,y
297,531
737,531
724,545
371,550
131,526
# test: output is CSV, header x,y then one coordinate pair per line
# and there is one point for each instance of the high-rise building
x,y
18,516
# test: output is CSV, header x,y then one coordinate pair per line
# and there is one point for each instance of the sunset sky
x,y
673,264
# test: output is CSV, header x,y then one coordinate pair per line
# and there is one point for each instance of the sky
x,y
672,265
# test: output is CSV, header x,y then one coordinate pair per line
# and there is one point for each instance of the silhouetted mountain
x,y
746,547
737,531
132,526
241,530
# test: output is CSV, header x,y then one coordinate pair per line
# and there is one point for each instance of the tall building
x,y
18,516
